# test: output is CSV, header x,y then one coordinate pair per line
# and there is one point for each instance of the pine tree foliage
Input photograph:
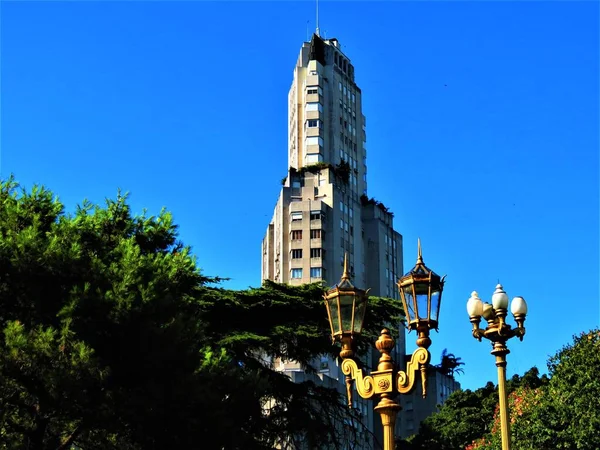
x,y
113,338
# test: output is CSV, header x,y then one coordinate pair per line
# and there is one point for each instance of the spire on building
x,y
317,32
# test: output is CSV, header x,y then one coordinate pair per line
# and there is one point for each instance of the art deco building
x,y
324,211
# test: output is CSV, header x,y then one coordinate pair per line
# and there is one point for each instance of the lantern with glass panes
x,y
421,293
346,308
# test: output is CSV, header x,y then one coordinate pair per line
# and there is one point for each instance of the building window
x,y
351,211
340,85
315,272
296,235
316,215
312,91
297,253
315,234
353,98
342,224
313,123
296,273
313,158
315,252
314,140
296,216
314,107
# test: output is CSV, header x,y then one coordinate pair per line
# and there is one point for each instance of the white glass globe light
x,y
474,305
499,298
518,306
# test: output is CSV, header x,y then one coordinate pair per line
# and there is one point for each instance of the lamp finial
x,y
345,275
420,254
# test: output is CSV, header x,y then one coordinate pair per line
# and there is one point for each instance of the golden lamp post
x,y
498,332
421,293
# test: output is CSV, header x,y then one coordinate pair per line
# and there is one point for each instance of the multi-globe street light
x,y
421,293
498,332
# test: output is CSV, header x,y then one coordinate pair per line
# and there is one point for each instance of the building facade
x,y
323,211
416,409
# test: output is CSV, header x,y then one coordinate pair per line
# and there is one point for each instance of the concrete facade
x,y
415,409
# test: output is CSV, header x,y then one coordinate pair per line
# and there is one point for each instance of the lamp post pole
x,y
498,332
421,293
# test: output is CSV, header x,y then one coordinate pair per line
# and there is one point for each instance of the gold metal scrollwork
x,y
406,380
364,384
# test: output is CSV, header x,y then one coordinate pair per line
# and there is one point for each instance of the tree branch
x,y
69,440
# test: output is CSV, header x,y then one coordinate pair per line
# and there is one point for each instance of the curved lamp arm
x,y
364,384
406,380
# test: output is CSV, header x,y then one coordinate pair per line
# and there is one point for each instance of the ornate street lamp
x,y
421,293
498,332
346,307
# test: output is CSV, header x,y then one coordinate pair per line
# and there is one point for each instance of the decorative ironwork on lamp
x,y
346,307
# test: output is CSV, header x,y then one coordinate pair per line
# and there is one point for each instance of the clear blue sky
x,y
482,122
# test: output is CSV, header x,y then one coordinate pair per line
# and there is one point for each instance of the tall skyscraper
x,y
324,212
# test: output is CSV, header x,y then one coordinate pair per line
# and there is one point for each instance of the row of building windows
x,y
348,141
314,234
346,209
314,253
347,92
348,127
296,216
315,272
312,90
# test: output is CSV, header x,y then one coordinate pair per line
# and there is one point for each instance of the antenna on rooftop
x,y
318,18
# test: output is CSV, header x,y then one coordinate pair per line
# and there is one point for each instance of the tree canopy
x,y
114,338
558,411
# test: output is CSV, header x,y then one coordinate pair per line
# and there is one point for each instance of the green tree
x,y
450,364
562,413
113,338
467,416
